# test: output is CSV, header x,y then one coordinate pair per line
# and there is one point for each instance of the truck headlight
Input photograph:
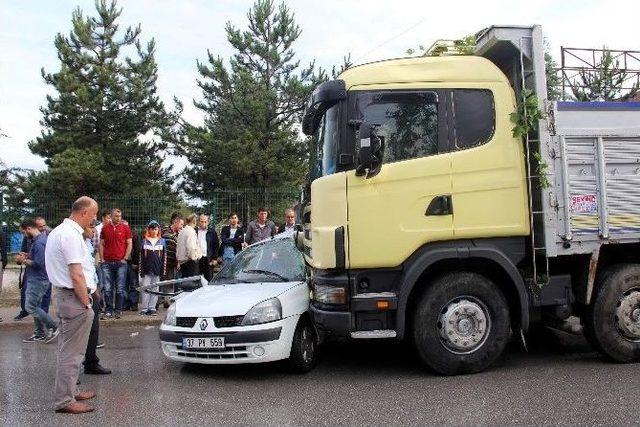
x,y
329,294
264,312
170,318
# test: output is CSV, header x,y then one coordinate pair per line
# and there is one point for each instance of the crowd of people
x,y
125,259
94,268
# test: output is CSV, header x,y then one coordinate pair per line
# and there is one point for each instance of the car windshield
x,y
276,260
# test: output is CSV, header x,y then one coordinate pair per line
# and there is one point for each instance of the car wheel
x,y
612,321
303,355
461,324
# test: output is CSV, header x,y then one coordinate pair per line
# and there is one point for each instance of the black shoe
x,y
96,370
21,316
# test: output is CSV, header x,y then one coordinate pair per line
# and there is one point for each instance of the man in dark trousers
x,y
209,244
3,257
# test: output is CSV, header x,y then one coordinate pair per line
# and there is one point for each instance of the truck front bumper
x,y
334,323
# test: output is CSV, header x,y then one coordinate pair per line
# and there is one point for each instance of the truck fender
x,y
430,255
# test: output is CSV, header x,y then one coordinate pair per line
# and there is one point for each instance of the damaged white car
x,y
254,310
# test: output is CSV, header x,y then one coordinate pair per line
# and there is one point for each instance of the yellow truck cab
x,y
423,222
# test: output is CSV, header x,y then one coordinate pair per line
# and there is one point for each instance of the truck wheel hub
x,y
464,325
627,315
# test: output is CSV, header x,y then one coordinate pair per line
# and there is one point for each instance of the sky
x,y
185,29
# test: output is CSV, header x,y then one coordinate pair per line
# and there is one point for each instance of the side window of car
x,y
474,117
408,121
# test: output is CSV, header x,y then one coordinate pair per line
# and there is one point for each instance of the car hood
x,y
229,300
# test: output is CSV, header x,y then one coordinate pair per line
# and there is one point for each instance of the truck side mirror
x,y
370,150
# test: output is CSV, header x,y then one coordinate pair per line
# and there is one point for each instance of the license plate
x,y
200,343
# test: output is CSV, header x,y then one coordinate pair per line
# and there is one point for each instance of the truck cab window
x,y
474,117
327,140
408,121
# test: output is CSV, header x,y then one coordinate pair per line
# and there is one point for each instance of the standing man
x,y
42,225
38,285
65,256
170,236
153,264
232,238
260,229
115,250
106,219
22,280
91,361
188,252
289,226
3,257
209,245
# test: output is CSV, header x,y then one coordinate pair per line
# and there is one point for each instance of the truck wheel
x,y
461,324
303,355
612,321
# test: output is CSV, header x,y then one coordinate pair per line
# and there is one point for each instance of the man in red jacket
x,y
115,251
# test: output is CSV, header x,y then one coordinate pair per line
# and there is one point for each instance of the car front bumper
x,y
247,344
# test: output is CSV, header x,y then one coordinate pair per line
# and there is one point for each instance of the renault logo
x,y
203,324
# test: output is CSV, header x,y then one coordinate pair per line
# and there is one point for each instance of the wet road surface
x,y
354,384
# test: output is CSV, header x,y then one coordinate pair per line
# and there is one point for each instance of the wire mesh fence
x,y
138,210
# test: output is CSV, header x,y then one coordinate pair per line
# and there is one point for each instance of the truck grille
x,y
186,322
227,321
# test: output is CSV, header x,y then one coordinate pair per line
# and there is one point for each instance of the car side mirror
x,y
370,150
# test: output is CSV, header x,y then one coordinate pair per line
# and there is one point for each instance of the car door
x,y
405,205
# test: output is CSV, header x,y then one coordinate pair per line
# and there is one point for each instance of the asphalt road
x,y
370,383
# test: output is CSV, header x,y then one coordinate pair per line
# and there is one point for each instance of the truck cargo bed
x,y
595,175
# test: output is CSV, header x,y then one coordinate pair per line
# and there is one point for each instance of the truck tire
x,y
303,356
612,321
461,324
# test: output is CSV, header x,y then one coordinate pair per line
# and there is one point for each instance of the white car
x,y
254,310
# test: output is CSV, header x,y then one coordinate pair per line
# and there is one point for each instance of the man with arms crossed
x,y
64,257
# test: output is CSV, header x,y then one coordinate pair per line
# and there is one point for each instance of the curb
x,y
28,323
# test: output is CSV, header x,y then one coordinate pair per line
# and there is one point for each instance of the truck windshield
x,y
327,140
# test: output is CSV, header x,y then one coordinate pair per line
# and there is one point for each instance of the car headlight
x,y
329,294
264,312
170,319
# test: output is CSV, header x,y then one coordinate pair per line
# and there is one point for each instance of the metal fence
x,y
137,211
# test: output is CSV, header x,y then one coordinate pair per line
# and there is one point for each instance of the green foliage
x,y
102,126
604,84
527,115
252,108
463,46
554,87
542,171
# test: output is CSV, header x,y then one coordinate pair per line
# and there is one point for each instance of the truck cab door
x,y
408,203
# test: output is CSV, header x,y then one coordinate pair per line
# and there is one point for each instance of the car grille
x,y
227,321
236,352
186,322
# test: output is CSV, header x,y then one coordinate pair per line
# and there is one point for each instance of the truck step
x,y
378,333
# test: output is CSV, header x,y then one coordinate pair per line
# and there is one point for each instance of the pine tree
x,y
101,128
606,82
252,107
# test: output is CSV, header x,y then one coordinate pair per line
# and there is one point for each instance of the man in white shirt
x,y
209,245
72,283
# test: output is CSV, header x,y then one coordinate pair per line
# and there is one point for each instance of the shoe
x,y
152,313
101,345
108,316
85,395
34,338
51,335
75,408
20,316
118,315
96,370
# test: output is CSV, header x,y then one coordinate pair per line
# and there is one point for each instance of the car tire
x,y
609,324
461,324
303,356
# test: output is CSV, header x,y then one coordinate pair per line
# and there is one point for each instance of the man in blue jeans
x,y
46,329
115,251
